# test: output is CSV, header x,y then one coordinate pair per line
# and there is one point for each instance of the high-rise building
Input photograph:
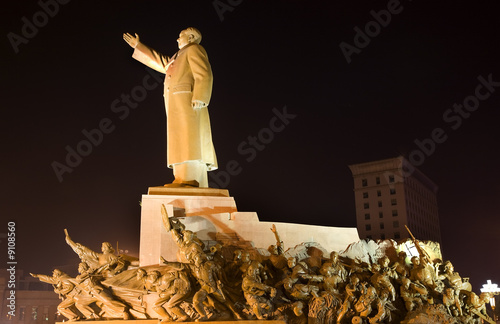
x,y
390,194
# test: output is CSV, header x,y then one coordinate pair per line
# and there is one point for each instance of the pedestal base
x,y
213,216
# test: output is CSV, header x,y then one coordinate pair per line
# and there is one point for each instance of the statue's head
x,y
298,308
141,273
82,267
415,260
56,273
402,255
154,275
188,236
334,257
384,261
188,36
107,248
245,257
273,249
292,262
254,269
237,255
448,266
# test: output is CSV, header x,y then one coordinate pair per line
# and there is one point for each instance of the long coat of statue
x,y
188,77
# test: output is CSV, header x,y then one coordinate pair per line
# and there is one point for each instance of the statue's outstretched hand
x,y
131,40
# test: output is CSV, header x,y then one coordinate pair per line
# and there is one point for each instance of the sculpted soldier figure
x,y
187,92
453,279
452,302
400,266
88,283
106,263
257,293
65,289
208,274
189,244
173,287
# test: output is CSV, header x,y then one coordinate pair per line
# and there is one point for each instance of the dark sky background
x,y
264,55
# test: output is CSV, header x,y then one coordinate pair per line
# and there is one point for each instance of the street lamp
x,y
491,288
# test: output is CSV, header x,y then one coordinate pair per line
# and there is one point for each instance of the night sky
x,y
425,68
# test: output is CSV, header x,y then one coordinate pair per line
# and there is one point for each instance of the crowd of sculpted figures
x,y
206,286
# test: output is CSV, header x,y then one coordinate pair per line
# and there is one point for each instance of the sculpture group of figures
x,y
207,285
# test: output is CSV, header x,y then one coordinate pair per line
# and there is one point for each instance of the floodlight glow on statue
x,y
187,92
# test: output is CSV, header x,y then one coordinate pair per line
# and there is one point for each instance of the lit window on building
x,y
365,194
366,205
45,313
34,313
368,227
367,216
364,182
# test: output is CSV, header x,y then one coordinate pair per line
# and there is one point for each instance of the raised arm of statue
x,y
131,40
279,243
70,242
44,278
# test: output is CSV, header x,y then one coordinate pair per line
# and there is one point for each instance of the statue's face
x,y
245,257
183,39
105,247
82,267
140,274
334,257
291,262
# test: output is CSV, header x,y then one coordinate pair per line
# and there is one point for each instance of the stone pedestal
x,y
213,216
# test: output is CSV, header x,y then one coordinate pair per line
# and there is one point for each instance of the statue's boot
x,y
126,315
163,314
181,315
234,311
199,308
183,184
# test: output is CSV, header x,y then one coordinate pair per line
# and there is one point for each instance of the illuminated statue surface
x,y
187,92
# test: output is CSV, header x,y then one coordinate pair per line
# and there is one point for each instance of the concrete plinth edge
x,y
188,191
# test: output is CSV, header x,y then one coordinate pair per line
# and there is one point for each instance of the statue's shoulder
x,y
194,48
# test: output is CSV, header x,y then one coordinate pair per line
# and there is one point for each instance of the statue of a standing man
x,y
187,92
